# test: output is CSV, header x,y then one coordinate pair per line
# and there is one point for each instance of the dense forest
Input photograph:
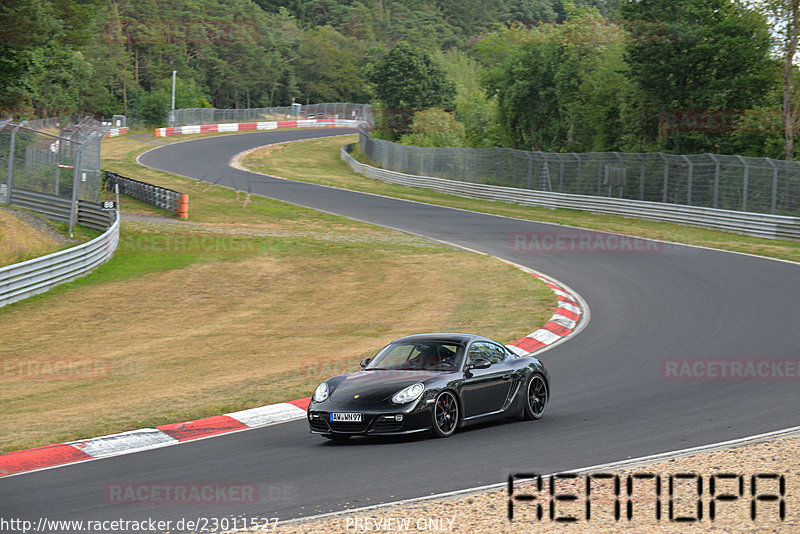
x,y
680,76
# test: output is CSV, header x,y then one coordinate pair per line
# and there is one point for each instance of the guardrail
x,y
257,126
155,195
88,214
754,224
28,278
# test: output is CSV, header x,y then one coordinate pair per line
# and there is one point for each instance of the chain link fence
x,y
759,185
59,157
194,116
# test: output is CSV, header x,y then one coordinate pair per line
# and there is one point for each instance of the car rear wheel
x,y
536,397
445,414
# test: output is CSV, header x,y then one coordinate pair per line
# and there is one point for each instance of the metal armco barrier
x,y
51,206
154,195
28,278
754,224
89,214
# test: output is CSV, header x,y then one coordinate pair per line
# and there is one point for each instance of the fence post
x,y
744,182
716,179
641,177
600,168
580,165
10,176
73,208
530,167
774,185
689,184
666,177
625,171
73,213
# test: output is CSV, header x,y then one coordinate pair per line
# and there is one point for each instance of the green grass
x,y
251,302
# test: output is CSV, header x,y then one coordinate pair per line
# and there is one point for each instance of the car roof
x,y
449,337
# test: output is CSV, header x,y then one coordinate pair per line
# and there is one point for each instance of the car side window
x,y
495,353
488,351
475,352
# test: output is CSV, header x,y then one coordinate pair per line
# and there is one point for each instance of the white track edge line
x,y
150,447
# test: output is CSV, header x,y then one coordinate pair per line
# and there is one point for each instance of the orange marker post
x,y
183,207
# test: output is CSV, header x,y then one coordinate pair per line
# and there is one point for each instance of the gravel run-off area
x,y
732,470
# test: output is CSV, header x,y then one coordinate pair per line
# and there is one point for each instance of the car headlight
x,y
321,393
408,394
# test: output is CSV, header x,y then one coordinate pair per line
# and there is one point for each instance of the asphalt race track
x,y
609,399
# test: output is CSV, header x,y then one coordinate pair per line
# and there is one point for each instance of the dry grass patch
x,y
20,241
235,332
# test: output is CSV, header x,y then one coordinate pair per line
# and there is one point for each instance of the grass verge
x,y
252,302
318,161
25,235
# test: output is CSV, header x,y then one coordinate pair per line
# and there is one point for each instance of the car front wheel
x,y
445,414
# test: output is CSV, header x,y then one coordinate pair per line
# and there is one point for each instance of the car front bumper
x,y
373,422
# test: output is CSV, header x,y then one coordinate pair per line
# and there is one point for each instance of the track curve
x,y
609,403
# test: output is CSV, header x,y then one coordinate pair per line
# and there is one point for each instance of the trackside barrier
x,y
28,278
754,224
154,195
115,132
258,126
89,214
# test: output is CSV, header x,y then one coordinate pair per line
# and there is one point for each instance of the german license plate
x,y
346,417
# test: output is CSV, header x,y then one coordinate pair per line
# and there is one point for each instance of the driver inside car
x,y
434,357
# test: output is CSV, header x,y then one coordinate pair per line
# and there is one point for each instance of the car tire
x,y
336,437
445,414
537,394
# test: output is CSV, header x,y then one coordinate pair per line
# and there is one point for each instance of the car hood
x,y
377,386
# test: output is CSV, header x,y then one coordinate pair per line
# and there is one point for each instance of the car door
x,y
486,390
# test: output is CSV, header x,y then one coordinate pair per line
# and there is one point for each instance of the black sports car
x,y
430,383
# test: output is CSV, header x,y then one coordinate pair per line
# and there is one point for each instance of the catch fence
x,y
739,183
58,158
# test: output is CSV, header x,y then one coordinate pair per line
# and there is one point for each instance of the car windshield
x,y
427,355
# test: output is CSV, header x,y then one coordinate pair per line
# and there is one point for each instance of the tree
x,y
558,86
328,66
702,55
434,128
407,80
788,13
29,31
407,77
473,107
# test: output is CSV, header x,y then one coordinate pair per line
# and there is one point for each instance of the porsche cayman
x,y
432,383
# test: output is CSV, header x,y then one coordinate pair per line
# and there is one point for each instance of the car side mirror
x,y
365,362
479,363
